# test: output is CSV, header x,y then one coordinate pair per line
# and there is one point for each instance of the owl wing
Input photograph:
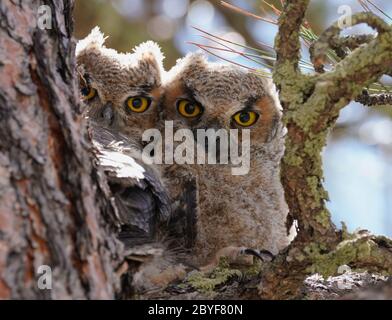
x,y
140,197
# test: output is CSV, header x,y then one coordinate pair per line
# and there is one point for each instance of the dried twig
x,y
374,99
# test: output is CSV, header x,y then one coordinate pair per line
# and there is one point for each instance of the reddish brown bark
x,y
53,208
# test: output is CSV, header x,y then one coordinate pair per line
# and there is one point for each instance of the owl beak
x,y
108,113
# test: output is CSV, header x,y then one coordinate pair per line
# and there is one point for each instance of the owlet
x,y
243,209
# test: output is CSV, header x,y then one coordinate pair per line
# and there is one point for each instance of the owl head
x,y
202,95
120,90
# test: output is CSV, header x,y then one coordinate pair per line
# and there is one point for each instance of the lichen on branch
x,y
311,106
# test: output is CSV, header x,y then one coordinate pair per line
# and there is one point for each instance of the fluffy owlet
x,y
235,211
120,94
120,90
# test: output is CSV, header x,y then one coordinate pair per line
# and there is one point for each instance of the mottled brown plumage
x,y
116,78
240,211
212,212
120,95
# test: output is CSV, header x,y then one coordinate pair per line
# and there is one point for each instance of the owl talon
x,y
237,255
263,255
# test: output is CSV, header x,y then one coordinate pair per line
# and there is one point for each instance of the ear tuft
x,y
95,40
148,59
149,50
150,55
193,60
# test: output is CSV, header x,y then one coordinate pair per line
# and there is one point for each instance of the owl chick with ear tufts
x,y
237,213
120,90
120,94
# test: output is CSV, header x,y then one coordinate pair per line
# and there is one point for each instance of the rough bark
x,y
54,208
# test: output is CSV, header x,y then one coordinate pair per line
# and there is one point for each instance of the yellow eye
x,y
188,109
88,93
246,118
138,104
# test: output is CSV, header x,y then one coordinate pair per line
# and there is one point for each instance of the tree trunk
x,y
54,208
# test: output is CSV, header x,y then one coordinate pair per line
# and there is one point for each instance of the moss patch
x,y
361,253
221,275
207,283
